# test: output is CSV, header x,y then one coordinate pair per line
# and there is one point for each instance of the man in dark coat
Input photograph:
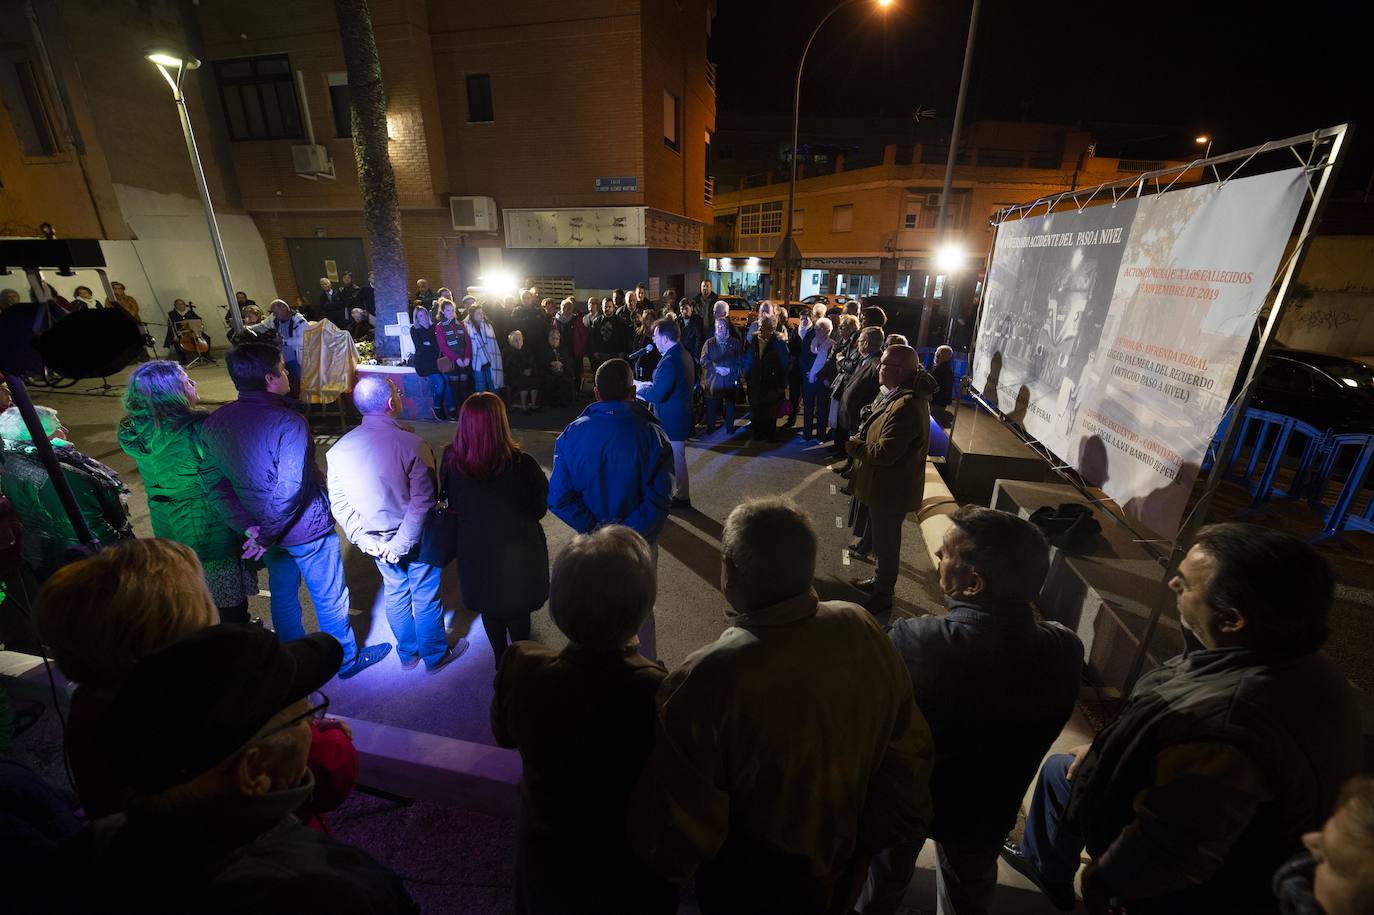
x,y
1204,783
350,296
670,392
861,387
997,688
424,296
705,300
607,335
943,373
331,304
212,734
614,465
889,451
766,363
269,488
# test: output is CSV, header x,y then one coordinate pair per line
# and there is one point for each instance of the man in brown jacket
x,y
788,751
889,452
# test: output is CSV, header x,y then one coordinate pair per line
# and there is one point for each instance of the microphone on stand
x,y
648,348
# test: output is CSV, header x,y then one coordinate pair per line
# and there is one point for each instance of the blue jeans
x,y
441,392
411,595
1052,845
320,563
481,380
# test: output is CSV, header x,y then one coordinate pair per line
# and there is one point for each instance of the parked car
x,y
829,300
1328,392
740,312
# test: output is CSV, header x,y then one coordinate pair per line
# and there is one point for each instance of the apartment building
x,y
866,222
562,143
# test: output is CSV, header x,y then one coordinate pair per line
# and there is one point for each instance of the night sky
x,y
1236,71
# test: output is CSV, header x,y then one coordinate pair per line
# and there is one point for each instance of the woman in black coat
x,y
498,494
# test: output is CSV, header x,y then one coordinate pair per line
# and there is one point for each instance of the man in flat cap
x,y
211,734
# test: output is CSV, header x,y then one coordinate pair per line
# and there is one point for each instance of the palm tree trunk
x,y
381,207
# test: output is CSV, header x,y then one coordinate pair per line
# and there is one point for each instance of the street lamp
x,y
788,248
1207,141
950,258
167,60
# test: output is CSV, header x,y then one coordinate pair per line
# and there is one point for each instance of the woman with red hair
x,y
498,494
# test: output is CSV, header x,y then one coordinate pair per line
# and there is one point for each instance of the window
x,y
761,218
940,286
672,114
341,105
479,99
912,214
842,218
259,98
22,93
798,221
955,213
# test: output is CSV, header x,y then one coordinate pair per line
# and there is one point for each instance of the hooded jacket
x,y
181,506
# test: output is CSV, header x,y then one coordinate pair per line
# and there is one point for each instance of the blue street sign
x,y
624,183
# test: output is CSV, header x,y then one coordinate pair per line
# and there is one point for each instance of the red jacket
x,y
334,762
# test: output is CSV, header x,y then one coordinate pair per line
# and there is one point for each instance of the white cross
x,y
401,331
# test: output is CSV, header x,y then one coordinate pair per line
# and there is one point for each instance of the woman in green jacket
x,y
162,434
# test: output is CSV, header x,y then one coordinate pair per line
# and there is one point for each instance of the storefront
x,y
746,276
853,276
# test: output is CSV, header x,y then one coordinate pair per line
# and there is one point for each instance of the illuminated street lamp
x,y
788,246
1205,140
167,60
950,258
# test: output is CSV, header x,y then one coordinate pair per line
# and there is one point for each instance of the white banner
x,y
1113,335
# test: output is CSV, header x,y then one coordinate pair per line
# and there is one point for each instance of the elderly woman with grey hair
x,y
583,721
48,532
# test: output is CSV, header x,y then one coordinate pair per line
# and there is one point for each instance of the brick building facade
x,y
91,142
535,105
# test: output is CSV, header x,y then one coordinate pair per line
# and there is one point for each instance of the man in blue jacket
x,y
614,465
670,392
270,488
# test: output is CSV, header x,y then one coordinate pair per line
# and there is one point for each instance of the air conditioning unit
x,y
933,201
312,162
473,214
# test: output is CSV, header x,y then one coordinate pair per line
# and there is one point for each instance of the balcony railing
x,y
710,190
711,75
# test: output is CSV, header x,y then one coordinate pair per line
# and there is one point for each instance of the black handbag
x,y
439,534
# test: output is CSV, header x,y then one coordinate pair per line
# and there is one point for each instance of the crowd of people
x,y
798,764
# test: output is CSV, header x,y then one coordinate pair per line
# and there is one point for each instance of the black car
x,y
1328,392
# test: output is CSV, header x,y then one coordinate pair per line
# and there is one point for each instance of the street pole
x,y
787,242
953,155
194,153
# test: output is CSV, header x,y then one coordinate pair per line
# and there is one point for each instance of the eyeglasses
x,y
319,705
